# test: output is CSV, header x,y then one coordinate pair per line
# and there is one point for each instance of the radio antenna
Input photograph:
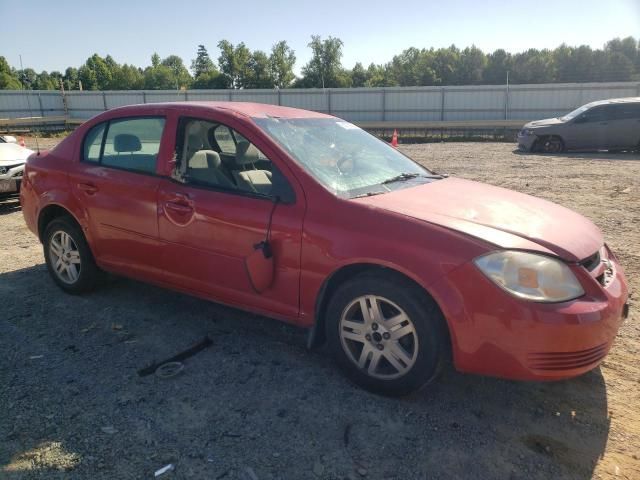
x,y
35,132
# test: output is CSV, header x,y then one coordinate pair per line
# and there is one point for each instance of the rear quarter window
x,y
93,144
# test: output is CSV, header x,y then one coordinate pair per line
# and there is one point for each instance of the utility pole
x,y
506,100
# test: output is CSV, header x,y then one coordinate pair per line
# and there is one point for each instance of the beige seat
x,y
204,167
250,179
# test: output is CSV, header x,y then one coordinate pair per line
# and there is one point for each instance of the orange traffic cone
x,y
394,139
21,142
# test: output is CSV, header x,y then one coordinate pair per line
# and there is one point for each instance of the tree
x,y
472,64
619,68
44,81
281,63
202,64
413,67
70,78
498,64
159,78
213,79
445,65
324,70
181,76
234,63
8,78
359,76
27,77
258,72
378,76
128,77
533,66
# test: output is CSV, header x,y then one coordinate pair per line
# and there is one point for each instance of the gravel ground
x,y
256,404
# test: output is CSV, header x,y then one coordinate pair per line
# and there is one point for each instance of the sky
x,y
54,34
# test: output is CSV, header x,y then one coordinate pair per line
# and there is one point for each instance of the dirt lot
x,y
257,405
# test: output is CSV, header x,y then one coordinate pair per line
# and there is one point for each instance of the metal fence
x,y
389,104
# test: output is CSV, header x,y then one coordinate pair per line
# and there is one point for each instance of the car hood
x,y
547,122
502,217
10,154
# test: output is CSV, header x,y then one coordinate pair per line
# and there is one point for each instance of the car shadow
x,y
256,398
592,155
9,205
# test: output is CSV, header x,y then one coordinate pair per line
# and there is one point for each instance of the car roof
x,y
612,101
255,110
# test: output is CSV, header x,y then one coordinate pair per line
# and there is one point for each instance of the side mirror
x,y
9,139
280,188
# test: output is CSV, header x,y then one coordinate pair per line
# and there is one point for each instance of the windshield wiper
x,y
368,194
400,178
408,176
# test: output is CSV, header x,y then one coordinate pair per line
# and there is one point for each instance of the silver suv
x,y
603,125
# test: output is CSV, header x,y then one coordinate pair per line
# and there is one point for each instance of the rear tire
x,y
68,257
386,334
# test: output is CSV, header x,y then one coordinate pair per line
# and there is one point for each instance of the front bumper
x,y
10,179
494,333
526,142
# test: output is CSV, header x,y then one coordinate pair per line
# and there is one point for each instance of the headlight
x,y
526,132
530,276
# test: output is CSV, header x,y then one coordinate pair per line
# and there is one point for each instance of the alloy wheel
x,y
378,337
552,145
65,257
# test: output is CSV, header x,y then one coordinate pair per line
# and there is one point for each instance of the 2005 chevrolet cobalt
x,y
306,218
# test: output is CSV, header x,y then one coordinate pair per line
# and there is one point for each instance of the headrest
x,y
125,142
205,159
246,153
194,142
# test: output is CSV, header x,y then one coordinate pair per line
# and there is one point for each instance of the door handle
x,y
178,207
88,188
604,123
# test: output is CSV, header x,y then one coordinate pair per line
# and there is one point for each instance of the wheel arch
x,y
50,213
317,335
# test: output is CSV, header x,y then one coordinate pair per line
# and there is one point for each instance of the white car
x,y
12,160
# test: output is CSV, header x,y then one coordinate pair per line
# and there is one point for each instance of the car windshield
x,y
576,112
344,158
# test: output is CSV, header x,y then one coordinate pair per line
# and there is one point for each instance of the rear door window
x,y
133,144
625,111
126,144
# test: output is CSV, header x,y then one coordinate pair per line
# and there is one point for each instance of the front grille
x,y
566,360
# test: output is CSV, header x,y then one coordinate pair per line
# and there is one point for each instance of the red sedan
x,y
306,218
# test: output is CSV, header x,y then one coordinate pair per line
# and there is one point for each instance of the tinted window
x,y
624,111
93,143
133,144
596,114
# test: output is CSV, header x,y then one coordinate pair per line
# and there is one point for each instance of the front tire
x,y
68,257
550,144
386,334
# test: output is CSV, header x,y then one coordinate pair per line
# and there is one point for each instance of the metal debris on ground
x,y
167,468
169,369
205,343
